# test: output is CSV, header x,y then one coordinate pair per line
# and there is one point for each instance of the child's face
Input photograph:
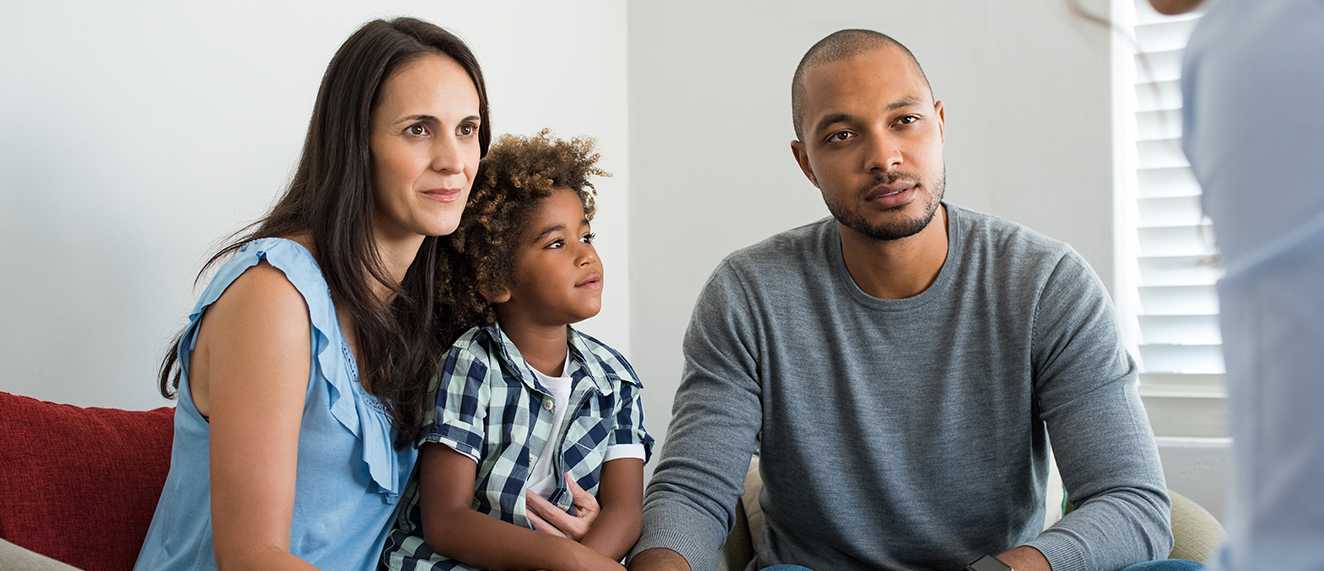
x,y
558,276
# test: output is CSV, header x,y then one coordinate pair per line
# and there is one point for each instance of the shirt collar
x,y
590,362
581,363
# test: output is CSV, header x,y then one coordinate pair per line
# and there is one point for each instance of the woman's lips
x,y
443,194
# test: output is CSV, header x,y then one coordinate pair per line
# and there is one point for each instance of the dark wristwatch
x,y
988,563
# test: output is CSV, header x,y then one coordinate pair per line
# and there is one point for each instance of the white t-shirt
x,y
542,480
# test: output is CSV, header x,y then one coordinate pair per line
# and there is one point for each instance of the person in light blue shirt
x,y
302,372
1252,84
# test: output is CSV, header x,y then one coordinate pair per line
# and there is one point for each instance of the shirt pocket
x,y
585,448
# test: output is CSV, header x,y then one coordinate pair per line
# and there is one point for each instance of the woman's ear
x,y
500,296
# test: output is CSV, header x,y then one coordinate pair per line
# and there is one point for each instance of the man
x,y
900,366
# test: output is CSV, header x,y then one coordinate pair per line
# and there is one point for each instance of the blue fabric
x,y
350,477
1252,83
1161,565
490,407
1166,565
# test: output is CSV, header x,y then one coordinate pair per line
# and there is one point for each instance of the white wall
x,y
135,134
1025,87
1198,468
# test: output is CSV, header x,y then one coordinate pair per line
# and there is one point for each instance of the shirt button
x,y
548,404
531,458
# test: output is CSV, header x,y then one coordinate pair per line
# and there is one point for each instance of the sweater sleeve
x,y
716,418
1085,383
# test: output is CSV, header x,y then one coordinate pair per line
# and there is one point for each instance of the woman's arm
x,y
249,375
621,497
453,529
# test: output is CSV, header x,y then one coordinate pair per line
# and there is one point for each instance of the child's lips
x,y
592,282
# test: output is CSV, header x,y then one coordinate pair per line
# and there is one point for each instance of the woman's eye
x,y
417,130
467,129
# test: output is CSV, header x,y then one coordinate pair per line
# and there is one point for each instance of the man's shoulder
x,y
1018,258
791,247
988,235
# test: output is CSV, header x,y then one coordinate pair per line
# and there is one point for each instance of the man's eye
x,y
907,119
839,136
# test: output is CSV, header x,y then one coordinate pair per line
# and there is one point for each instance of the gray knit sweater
x,y
913,433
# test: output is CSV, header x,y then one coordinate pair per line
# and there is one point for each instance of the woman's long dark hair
x,y
330,199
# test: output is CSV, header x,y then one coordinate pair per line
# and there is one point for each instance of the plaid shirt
x,y
491,408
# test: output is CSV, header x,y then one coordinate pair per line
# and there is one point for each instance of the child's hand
x,y
548,518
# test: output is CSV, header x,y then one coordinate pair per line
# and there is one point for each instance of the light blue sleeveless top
x,y
349,474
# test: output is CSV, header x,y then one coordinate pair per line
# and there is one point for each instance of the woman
x,y
303,371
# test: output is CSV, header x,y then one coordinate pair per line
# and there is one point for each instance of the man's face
x,y
873,143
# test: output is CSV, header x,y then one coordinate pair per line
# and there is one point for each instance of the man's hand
x,y
1025,558
548,518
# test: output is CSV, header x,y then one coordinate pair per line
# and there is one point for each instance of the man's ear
x,y
937,107
802,158
500,296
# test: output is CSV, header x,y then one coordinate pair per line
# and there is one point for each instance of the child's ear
x,y
500,296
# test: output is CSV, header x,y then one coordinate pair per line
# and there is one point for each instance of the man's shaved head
x,y
836,47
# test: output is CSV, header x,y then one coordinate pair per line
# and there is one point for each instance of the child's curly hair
x,y
517,173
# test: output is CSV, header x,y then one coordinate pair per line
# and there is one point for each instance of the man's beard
x,y
893,229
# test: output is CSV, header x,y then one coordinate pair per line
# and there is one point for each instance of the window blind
x,y
1175,265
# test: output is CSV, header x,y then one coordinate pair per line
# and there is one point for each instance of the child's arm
x,y
453,529
621,497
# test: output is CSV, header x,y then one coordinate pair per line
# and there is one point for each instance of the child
x,y
530,414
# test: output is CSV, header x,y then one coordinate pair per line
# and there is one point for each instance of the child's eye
x,y
557,243
589,238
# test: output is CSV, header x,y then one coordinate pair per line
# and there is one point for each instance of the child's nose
x,y
588,255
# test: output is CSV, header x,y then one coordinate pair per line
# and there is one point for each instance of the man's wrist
x,y
988,563
1025,558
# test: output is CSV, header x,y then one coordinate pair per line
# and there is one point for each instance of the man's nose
x,y
884,153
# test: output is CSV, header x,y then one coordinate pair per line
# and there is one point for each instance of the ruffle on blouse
x,y
354,408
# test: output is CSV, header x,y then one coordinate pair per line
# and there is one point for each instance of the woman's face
x,y
424,146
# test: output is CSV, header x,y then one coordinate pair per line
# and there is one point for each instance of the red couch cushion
x,y
81,484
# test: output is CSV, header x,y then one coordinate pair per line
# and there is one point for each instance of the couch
x,y
80,485
1196,533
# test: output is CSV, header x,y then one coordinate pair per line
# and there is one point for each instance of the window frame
x,y
1183,394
